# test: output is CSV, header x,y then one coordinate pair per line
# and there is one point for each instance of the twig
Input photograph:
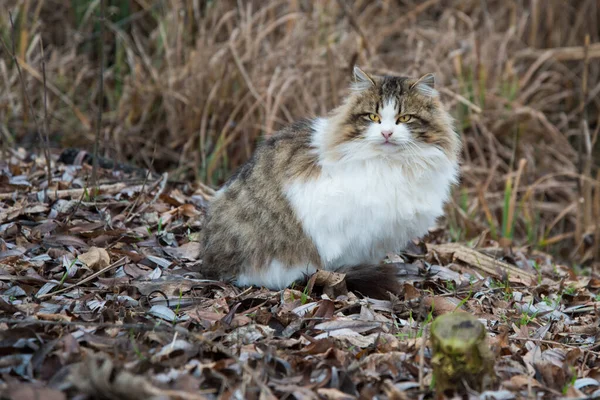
x,y
563,53
422,359
162,184
238,63
117,263
482,262
47,140
475,108
586,145
513,198
555,343
146,177
100,96
355,25
61,194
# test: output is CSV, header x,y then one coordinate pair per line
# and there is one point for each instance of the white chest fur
x,y
357,212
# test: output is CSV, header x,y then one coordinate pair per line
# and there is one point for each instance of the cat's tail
x,y
376,281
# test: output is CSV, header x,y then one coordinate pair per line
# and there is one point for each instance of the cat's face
x,y
395,117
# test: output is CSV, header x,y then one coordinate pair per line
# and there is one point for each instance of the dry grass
x,y
204,80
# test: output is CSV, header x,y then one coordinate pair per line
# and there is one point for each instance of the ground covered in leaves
x,y
99,297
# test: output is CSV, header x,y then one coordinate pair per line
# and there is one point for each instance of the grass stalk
x,y
100,100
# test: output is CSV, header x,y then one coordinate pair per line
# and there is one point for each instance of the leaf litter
x,y
99,299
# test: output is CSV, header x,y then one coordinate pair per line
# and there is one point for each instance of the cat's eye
x,y
374,117
405,118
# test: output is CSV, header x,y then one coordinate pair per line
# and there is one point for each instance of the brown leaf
x,y
95,258
328,278
174,351
410,292
318,346
334,394
64,240
356,326
518,382
189,251
482,262
26,391
333,283
36,209
383,361
7,307
188,210
53,317
442,304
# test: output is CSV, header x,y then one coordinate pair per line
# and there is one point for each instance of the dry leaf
x,y
189,251
483,262
333,283
95,258
32,392
334,394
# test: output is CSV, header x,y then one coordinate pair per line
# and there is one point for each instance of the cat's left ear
x,y
362,80
425,85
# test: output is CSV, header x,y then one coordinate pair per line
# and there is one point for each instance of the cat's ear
x,y
362,80
425,85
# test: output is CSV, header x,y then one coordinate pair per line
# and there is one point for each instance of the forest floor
x,y
99,297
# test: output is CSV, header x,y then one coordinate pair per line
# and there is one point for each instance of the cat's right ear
x,y
362,80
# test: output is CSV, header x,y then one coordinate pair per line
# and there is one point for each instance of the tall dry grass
x,y
205,80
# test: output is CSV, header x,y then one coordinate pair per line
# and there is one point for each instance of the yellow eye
x,y
405,118
374,117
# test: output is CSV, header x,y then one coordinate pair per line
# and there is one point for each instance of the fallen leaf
x,y
27,391
483,262
355,326
333,283
334,394
95,258
189,251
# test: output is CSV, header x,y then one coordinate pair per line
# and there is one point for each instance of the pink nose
x,y
387,134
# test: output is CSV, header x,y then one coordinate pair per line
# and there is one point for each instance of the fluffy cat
x,y
337,192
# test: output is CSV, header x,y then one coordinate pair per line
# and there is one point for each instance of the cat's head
x,y
393,118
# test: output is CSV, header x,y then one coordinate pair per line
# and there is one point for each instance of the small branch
x,y
422,359
482,262
574,53
117,263
146,177
71,193
355,25
238,63
100,97
473,107
47,139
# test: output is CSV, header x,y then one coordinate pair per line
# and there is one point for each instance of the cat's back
x,y
285,155
250,220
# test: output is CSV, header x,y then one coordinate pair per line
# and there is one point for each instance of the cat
x,y
337,192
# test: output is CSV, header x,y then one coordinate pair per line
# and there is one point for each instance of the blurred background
x,y
191,86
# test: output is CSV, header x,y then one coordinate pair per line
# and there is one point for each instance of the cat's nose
x,y
387,134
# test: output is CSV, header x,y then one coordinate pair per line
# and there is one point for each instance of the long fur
x,y
377,281
338,191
